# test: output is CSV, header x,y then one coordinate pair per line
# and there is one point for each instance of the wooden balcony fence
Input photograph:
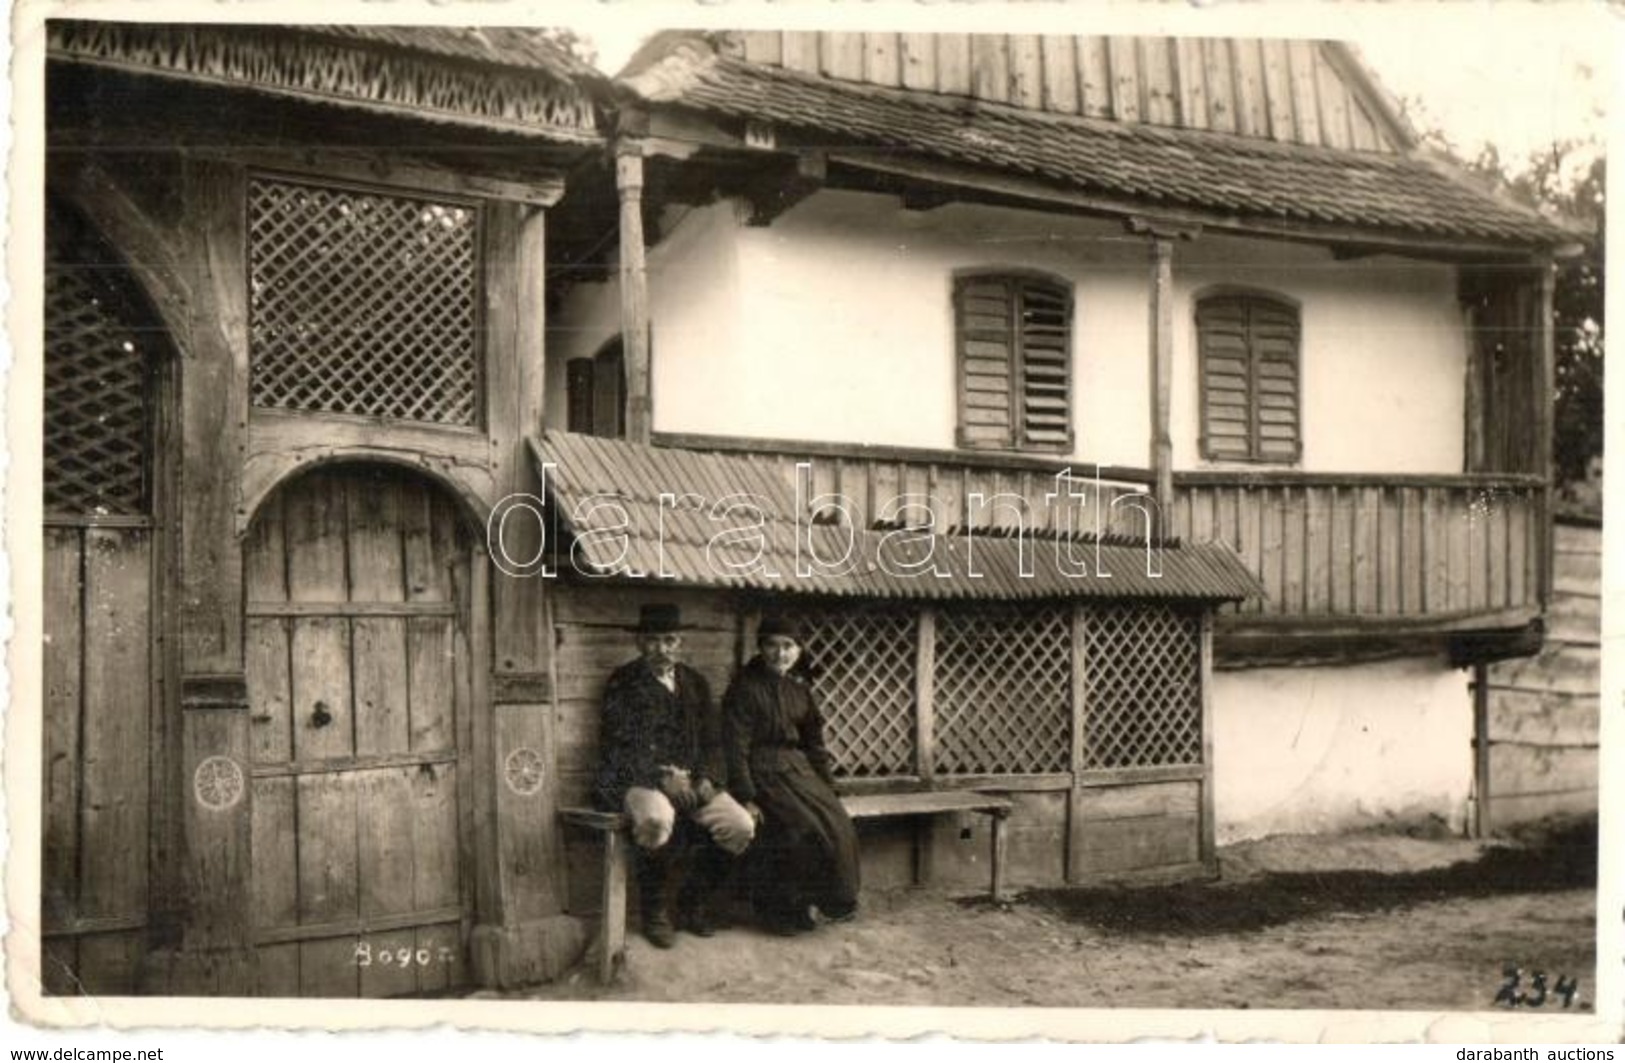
x,y
1375,549
1375,546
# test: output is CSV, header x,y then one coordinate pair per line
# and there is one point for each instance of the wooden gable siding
x,y
1303,92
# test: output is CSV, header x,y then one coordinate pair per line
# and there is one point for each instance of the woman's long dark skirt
x,y
807,850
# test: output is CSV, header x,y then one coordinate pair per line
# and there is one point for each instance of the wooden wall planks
x,y
62,681
1369,550
1544,711
97,795
1294,91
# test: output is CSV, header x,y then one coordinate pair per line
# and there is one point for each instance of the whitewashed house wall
x,y
814,327
1306,750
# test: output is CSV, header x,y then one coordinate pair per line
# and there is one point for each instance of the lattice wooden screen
x,y
865,673
1003,691
1143,702
363,303
99,338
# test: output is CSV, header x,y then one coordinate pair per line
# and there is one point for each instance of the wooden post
x,y
1162,235
613,938
1162,371
1481,751
1545,396
1474,391
214,414
925,657
1000,847
1080,648
634,291
1206,844
491,905
528,843
213,408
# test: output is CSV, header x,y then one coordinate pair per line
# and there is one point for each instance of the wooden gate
x,y
359,689
106,357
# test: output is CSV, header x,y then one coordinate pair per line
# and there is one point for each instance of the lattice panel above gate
x,y
865,669
97,340
1003,692
1143,705
363,303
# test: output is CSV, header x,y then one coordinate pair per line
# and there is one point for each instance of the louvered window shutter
x,y
1014,343
1250,379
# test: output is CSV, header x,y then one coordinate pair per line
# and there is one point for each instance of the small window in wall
x,y
1013,343
1250,378
596,393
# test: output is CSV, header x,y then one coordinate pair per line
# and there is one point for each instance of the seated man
x,y
662,764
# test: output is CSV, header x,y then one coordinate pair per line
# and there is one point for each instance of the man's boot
x,y
696,905
654,894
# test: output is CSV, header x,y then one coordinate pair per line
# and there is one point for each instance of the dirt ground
x,y
1361,921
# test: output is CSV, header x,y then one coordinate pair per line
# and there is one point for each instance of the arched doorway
x,y
358,590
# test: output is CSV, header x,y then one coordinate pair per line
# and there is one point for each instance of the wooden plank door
x,y
106,362
358,679
98,686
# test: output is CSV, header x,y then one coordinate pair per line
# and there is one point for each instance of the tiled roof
x,y
1248,178
608,496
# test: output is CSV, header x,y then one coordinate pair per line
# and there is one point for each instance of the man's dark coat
x,y
646,727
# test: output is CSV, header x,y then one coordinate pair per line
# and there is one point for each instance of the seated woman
x,y
806,851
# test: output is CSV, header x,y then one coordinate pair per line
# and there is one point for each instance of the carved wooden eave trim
x,y
283,62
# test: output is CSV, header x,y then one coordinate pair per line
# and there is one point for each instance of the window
x,y
596,393
1249,374
1013,337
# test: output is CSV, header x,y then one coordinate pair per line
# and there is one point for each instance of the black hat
x,y
659,618
782,626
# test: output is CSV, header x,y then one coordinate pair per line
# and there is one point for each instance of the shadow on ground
x,y
1562,859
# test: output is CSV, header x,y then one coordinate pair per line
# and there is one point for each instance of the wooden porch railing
x,y
1372,547
866,478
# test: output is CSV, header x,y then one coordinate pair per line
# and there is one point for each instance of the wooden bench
x,y
617,848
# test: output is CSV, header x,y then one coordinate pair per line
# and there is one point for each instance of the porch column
x,y
1545,392
1161,237
1162,371
213,953
634,291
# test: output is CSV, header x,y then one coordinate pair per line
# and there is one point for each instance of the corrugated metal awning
x,y
663,514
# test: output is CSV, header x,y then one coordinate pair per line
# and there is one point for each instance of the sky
x,y
1513,74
